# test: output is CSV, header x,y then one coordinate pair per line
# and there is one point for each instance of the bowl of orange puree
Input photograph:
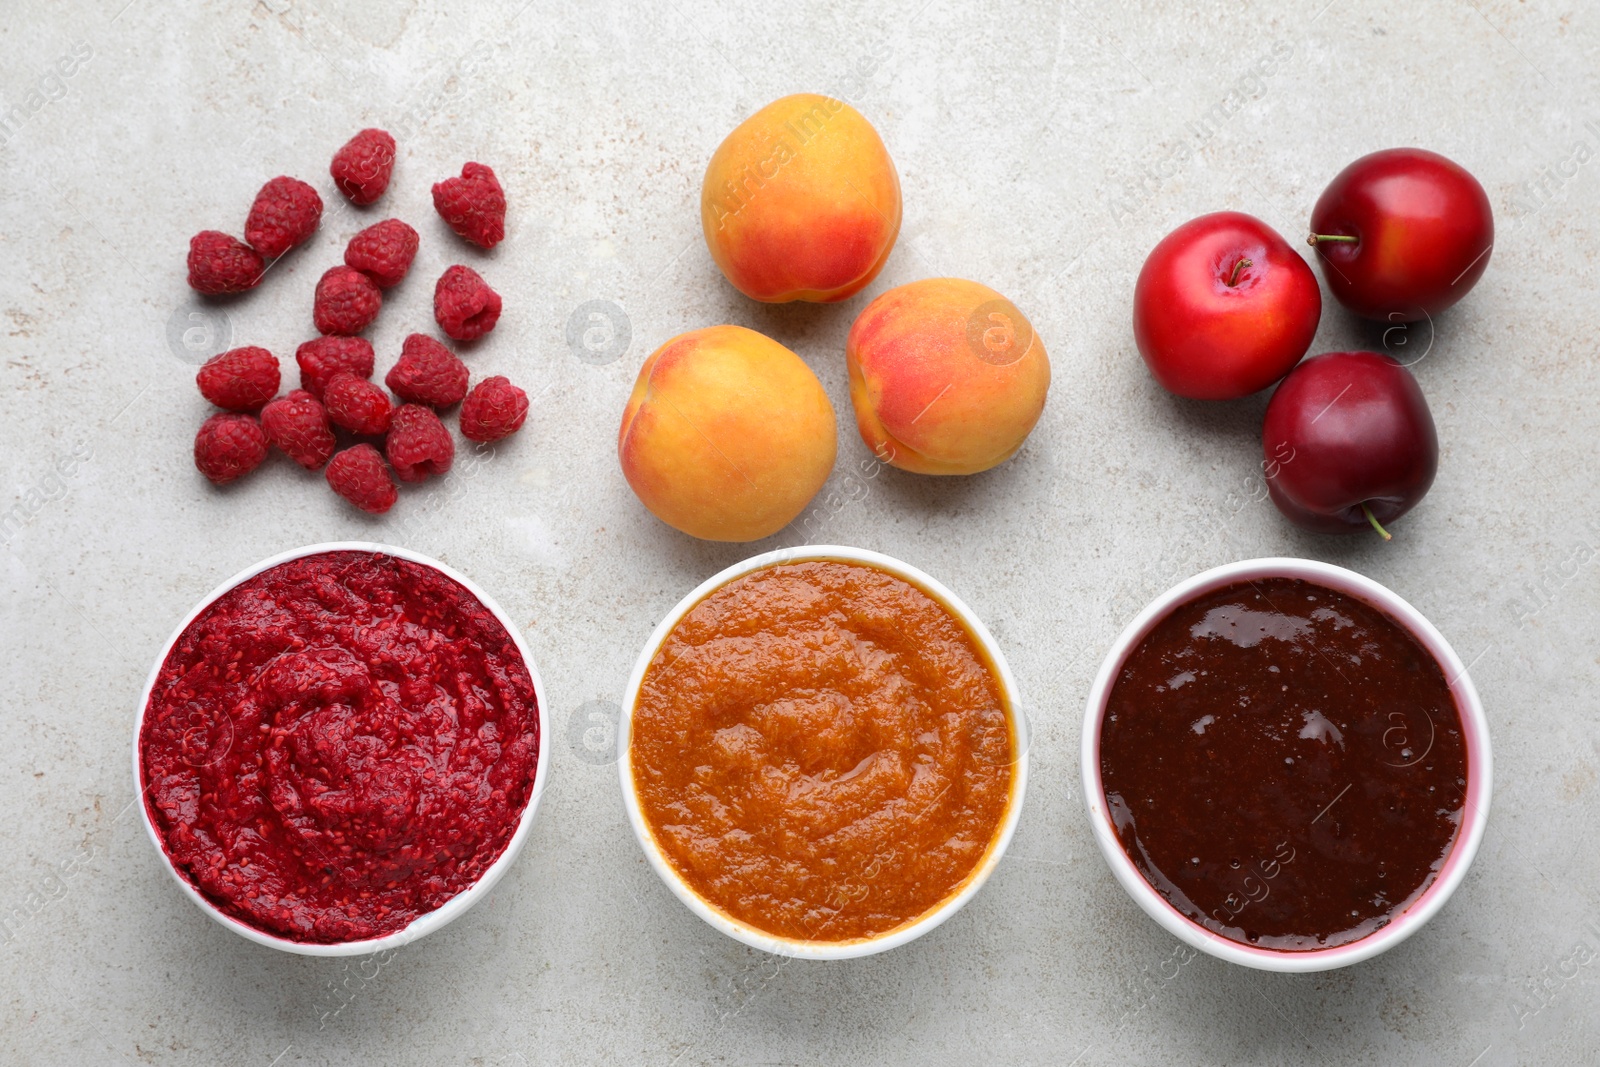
x,y
822,753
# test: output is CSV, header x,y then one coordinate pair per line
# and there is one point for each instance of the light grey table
x,y
1043,150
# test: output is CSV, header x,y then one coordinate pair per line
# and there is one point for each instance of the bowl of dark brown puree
x,y
1286,765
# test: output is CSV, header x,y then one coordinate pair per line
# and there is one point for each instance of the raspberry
x,y
383,251
358,475
427,373
494,409
357,404
473,205
418,444
324,357
361,169
298,425
240,379
222,264
464,305
346,303
229,447
285,213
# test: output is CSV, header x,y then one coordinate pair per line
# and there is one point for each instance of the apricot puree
x,y
822,751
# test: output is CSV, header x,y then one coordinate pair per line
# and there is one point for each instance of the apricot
x,y
946,376
801,202
727,435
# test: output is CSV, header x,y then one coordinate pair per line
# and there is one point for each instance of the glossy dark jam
x,y
1284,763
339,745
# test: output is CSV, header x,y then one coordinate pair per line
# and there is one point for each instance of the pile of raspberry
x,y
383,437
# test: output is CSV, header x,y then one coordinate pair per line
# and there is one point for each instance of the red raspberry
x,y
285,213
357,404
298,425
427,373
494,409
346,303
358,475
464,305
240,379
383,251
222,264
361,169
324,357
473,205
229,447
418,444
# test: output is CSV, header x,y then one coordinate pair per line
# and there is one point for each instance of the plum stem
x,y
1385,534
1317,238
1233,279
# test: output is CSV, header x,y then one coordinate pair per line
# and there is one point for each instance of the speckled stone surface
x,y
1043,150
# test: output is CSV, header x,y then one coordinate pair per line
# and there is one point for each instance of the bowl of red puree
x,y
1286,765
821,752
340,749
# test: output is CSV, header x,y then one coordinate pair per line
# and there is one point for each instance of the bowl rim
x,y
451,909
795,947
1475,736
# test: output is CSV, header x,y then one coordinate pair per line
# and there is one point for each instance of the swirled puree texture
x,y
822,751
338,745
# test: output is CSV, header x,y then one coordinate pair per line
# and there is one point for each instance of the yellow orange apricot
x,y
801,202
727,434
946,376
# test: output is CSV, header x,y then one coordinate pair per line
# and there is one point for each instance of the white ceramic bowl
x,y
1475,733
450,909
826,950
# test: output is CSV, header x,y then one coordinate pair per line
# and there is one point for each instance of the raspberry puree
x,y
339,745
